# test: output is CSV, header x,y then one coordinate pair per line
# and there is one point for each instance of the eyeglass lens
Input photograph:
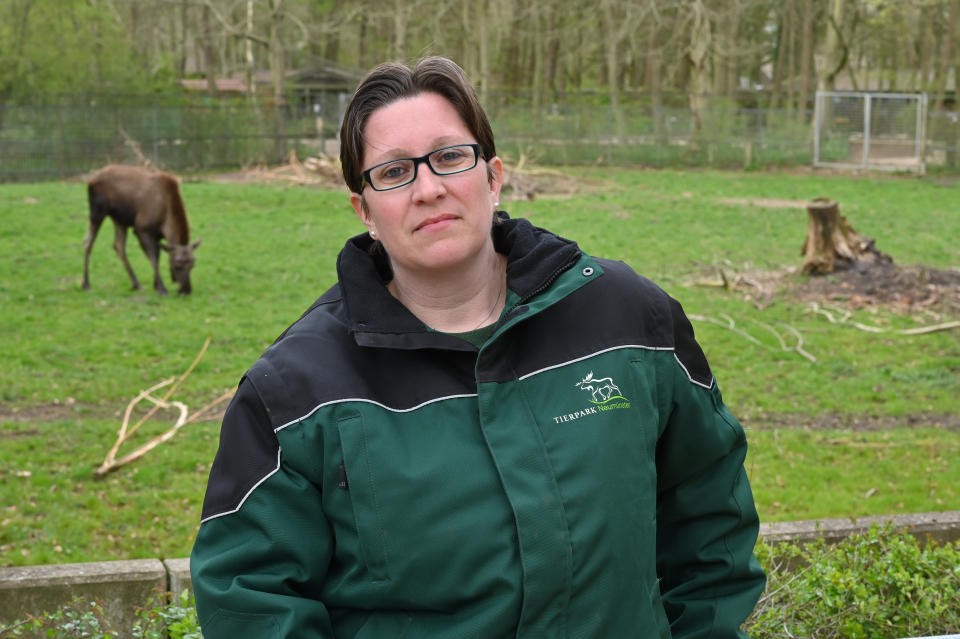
x,y
445,161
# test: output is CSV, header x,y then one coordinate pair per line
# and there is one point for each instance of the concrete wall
x,y
121,586
124,585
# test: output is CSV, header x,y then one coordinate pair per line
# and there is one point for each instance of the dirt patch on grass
x,y
833,421
765,202
907,289
59,411
919,290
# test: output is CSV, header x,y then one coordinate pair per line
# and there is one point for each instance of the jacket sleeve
x,y
254,572
707,522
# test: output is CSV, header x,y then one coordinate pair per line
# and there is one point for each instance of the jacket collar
x,y
535,258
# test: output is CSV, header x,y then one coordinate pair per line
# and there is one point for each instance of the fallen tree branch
x,y
921,330
783,343
110,463
799,347
846,315
729,324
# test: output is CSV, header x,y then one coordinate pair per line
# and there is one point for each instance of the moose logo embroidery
x,y
602,390
604,394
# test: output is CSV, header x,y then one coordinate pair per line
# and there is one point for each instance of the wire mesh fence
x,y
42,142
76,135
871,130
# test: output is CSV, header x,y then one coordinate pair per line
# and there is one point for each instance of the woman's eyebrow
x,y
399,153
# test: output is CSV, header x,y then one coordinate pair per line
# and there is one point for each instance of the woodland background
x,y
695,63
784,48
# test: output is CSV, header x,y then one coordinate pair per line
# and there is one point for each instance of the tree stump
x,y
832,243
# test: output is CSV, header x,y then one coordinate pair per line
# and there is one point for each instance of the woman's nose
x,y
428,185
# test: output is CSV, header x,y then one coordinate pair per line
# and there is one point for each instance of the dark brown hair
x,y
389,82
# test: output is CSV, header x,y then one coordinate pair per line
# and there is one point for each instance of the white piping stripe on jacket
x,y
314,410
370,401
441,399
614,348
249,492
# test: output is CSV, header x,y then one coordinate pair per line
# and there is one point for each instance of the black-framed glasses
x,y
402,171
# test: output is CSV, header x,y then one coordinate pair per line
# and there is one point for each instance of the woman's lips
x,y
435,223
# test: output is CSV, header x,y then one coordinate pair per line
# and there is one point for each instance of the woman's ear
x,y
363,212
496,177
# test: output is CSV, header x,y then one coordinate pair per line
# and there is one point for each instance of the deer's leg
x,y
92,230
120,246
151,246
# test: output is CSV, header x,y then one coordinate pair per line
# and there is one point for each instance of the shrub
x,y
876,584
81,619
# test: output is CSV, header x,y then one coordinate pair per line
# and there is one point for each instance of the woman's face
x,y
435,223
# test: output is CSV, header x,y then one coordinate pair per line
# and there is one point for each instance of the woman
x,y
479,431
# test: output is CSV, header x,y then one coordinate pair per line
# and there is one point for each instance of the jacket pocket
x,y
364,499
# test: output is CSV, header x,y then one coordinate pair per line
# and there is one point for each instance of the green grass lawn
x,y
870,427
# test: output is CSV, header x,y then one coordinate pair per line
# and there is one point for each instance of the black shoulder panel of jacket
x,y
688,351
320,360
619,309
248,452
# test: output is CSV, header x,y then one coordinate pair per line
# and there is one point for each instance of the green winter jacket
x,y
576,477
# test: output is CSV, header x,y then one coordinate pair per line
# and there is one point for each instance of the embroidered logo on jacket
x,y
602,389
604,394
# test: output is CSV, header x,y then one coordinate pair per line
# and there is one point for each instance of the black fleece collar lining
x,y
534,258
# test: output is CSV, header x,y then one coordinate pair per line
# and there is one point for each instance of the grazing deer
x,y
150,203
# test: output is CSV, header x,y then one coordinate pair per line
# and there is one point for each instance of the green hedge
x,y
877,584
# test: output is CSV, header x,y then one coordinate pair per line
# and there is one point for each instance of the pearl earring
x,y
373,234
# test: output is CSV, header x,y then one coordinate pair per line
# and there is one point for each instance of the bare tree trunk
x,y
926,48
610,28
953,140
832,243
331,47
208,55
654,84
400,15
833,56
781,51
792,56
182,62
484,53
732,63
550,53
132,28
946,53
248,55
536,50
278,75
468,50
362,42
806,55
698,58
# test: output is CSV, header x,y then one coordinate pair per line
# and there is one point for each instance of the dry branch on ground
x,y
111,463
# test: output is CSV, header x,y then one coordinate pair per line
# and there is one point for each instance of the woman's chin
x,y
447,254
